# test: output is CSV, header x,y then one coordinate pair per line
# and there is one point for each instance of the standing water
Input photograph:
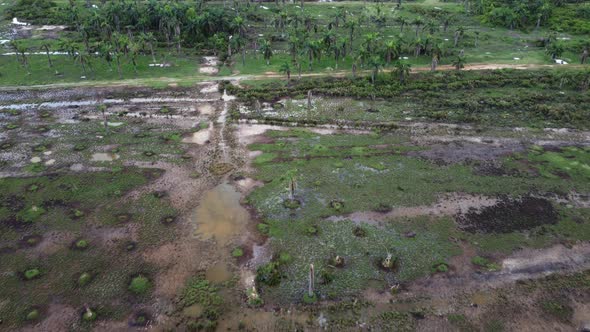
x,y
220,216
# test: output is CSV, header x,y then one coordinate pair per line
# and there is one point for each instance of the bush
x,y
33,314
33,273
307,299
269,274
237,252
84,279
140,285
81,244
263,228
89,315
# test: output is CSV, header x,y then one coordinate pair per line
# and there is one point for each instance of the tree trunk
x,y
243,56
152,52
49,59
311,279
119,68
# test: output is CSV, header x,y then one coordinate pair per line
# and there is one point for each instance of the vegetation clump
x,y
89,315
32,273
237,252
84,279
140,285
33,314
81,244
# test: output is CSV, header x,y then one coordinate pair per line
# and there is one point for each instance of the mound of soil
x,y
509,216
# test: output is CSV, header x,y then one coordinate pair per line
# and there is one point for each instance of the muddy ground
x,y
209,192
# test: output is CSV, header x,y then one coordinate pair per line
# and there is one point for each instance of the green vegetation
x,y
237,252
499,97
199,291
140,285
415,182
32,273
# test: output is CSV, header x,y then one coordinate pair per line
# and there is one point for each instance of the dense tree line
x,y
124,29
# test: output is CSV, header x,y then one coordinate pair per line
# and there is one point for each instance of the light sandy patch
x,y
208,70
205,109
446,206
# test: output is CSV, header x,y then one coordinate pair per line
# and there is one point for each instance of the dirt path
x,y
202,77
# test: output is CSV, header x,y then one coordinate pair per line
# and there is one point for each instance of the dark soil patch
x,y
509,216
30,241
14,203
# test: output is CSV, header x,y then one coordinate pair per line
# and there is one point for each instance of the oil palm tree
x,y
392,51
286,68
459,62
375,63
266,49
46,46
402,70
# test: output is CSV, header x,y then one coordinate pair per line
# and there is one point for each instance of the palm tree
x,y
313,50
69,46
22,49
240,44
266,49
83,57
375,63
351,26
370,39
402,69
555,50
459,62
133,54
105,51
46,46
584,56
294,44
403,21
431,27
148,39
458,35
392,51
418,22
286,68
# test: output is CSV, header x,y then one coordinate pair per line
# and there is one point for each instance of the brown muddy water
x,y
218,273
220,216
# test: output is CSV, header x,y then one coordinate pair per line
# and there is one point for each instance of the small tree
x,y
584,56
286,68
45,46
402,69
102,108
555,50
459,62
266,49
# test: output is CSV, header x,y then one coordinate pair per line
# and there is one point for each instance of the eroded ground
x,y
161,210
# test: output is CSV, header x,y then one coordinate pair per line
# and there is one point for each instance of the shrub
x,y
140,285
237,252
263,228
89,315
307,299
269,274
84,279
359,231
33,314
33,273
81,244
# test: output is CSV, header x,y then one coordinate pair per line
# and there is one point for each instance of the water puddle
x,y
218,273
220,215
104,156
